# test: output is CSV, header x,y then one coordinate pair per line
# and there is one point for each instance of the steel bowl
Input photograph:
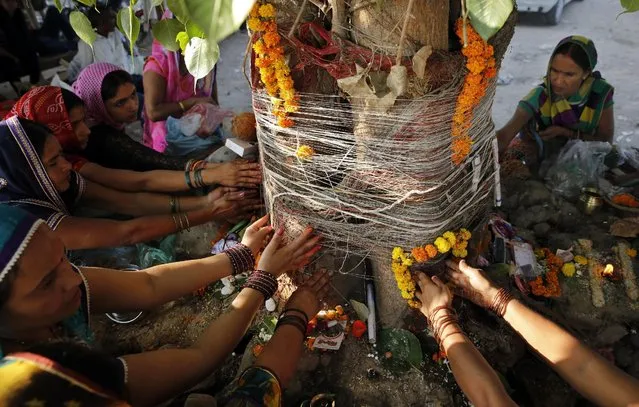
x,y
590,200
126,317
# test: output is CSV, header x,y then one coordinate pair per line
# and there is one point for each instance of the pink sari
x,y
89,87
178,87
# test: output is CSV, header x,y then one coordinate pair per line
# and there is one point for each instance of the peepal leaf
x,y
360,309
218,19
166,31
405,349
200,57
488,16
129,25
630,6
82,27
183,40
58,5
157,3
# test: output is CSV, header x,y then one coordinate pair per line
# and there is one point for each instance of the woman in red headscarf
x,y
64,113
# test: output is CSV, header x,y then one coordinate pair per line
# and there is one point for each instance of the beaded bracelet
x,y
263,282
241,257
500,302
293,320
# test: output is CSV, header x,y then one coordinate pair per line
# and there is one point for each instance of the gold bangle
x,y
182,106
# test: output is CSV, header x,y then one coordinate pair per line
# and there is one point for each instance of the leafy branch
x,y
196,30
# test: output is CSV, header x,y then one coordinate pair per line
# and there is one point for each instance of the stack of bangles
x,y
262,282
242,259
500,302
181,221
193,174
438,326
294,317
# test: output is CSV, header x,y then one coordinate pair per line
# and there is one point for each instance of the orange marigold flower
x,y
490,73
431,250
271,39
419,253
285,122
255,11
262,62
267,11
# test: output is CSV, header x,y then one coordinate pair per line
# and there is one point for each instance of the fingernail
x,y
280,231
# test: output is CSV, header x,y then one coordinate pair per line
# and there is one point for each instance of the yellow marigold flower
x,y
631,252
443,245
397,253
272,89
305,152
568,269
259,47
419,254
407,261
460,253
406,296
581,260
267,11
414,304
431,250
287,94
291,106
450,236
255,25
465,234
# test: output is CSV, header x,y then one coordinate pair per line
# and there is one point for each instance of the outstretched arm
x,y
588,373
159,375
472,372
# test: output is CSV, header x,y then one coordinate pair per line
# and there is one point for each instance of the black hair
x,y
71,100
97,366
576,53
112,82
36,133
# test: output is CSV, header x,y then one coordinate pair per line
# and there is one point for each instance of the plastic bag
x,y
208,116
149,256
177,143
579,164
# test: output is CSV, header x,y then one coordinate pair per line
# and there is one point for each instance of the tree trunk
x,y
379,28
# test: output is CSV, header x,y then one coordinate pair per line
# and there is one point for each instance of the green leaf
x,y
58,5
179,10
488,16
129,25
82,26
182,39
200,56
166,32
193,30
360,309
90,3
630,6
218,19
157,3
405,349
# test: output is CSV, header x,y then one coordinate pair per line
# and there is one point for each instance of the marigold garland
x,y
401,261
304,152
625,200
269,59
550,287
480,62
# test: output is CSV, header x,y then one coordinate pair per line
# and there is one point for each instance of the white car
x,y
552,10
